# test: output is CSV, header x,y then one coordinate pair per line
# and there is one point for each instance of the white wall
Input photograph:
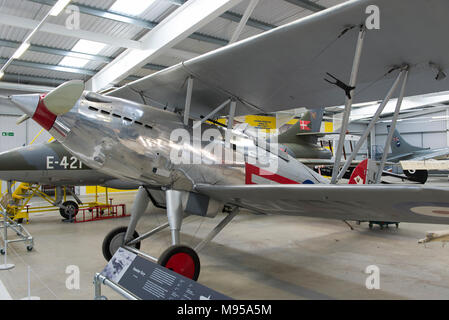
x,y
429,130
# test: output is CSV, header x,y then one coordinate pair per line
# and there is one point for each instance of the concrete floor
x,y
255,257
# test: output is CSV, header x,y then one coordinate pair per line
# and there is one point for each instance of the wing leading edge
x,y
343,202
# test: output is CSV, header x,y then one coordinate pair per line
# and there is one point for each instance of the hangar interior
x,y
257,257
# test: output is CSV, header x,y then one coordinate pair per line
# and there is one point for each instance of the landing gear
x,y
182,260
179,258
114,240
70,209
417,175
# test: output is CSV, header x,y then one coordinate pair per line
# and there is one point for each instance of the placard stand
x,y
137,276
5,265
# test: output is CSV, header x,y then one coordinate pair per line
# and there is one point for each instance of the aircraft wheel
x,y
2,252
114,240
417,175
71,209
181,259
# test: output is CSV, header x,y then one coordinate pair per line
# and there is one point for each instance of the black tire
x,y
29,248
193,261
417,175
20,220
112,237
71,207
2,252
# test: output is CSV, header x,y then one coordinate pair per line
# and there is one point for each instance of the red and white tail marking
x,y
358,176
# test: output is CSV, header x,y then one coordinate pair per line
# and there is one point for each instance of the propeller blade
x,y
23,118
61,99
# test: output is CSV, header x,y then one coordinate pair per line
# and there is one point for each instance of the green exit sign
x,y
7,134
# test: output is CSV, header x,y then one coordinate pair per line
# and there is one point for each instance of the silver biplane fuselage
x,y
133,141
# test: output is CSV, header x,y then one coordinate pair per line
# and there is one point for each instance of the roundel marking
x,y
431,211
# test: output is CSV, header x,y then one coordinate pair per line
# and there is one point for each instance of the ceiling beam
x,y
65,53
20,22
191,16
232,16
55,51
25,23
307,4
21,79
24,87
52,67
235,17
249,10
146,24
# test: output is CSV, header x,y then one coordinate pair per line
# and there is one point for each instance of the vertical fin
x,y
400,146
358,176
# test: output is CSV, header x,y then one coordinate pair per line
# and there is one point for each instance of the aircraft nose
x,y
34,107
26,102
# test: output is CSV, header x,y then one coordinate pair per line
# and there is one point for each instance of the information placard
x,y
150,281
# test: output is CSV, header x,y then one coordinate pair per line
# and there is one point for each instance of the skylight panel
x,y
131,7
84,46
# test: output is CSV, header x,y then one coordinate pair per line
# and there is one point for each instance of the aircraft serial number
x,y
66,162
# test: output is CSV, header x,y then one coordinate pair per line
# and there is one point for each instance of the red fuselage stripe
x,y
251,169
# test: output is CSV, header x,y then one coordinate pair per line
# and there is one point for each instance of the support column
x,y
238,31
139,206
348,103
370,126
174,214
392,128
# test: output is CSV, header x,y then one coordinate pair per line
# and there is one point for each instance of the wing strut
x,y
211,114
393,127
188,100
372,123
348,103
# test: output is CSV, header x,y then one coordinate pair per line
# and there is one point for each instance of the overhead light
x,y
1,74
21,50
84,46
131,7
58,7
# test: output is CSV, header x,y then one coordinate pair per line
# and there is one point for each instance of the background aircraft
x,y
51,164
402,150
301,139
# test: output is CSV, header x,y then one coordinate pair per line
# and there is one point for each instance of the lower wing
x,y
418,204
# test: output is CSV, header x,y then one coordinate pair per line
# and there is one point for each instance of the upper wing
x,y
343,202
285,67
